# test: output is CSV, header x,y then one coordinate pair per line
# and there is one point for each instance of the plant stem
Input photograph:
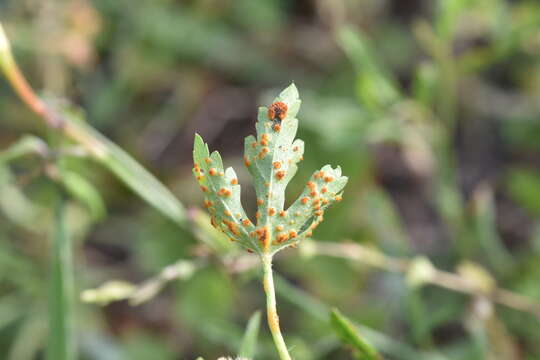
x,y
272,316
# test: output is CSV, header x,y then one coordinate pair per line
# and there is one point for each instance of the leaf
x,y
61,342
222,194
27,144
129,171
271,158
350,336
375,88
249,342
85,192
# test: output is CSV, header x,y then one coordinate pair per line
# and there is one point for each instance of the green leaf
x,y
222,194
376,89
28,144
351,337
61,342
121,164
249,342
271,158
85,192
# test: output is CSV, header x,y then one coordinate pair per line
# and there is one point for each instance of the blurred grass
x,y
429,106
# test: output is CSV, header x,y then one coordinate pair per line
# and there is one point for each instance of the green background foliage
x,y
429,107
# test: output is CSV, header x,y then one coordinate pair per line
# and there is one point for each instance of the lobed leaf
x,y
271,157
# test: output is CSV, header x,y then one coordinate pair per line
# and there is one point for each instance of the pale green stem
x,y
272,316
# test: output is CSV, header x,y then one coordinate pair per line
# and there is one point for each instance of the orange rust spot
x,y
311,185
317,207
224,192
338,198
325,201
316,201
254,144
280,174
273,320
309,234
277,111
260,202
276,164
232,227
200,177
265,150
228,213
246,222
324,190
304,200
313,193
282,238
204,188
276,127
208,203
212,171
264,237
238,215
318,213
301,158
319,174
234,181
258,215
246,161
271,211
295,148
207,160
282,213
292,234
264,140
279,228
328,179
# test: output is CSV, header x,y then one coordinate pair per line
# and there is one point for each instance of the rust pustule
x,y
280,174
277,111
264,237
224,192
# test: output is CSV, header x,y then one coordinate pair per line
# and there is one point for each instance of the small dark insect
x,y
277,111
